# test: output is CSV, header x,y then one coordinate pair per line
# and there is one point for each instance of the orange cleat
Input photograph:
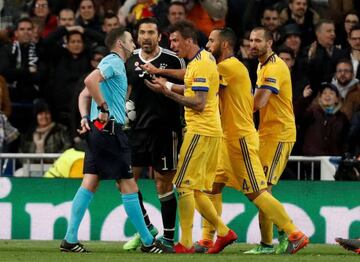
x,y
297,241
202,246
222,242
180,249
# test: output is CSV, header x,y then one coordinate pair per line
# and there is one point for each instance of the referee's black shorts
x,y
108,155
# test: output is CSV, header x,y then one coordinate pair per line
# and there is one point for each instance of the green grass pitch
x,y
27,250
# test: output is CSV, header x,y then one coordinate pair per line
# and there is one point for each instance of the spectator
x,y
66,17
41,11
348,87
292,37
46,136
110,22
244,56
68,66
354,51
325,126
175,13
87,16
323,55
342,33
299,13
24,71
271,20
298,79
66,20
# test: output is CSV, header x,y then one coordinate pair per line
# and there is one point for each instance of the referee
x,y
107,155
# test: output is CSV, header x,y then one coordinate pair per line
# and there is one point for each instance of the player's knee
x,y
127,186
252,196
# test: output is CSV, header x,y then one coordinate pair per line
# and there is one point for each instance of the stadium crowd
x,y
47,47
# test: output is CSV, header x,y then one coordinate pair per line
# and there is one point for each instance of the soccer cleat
x,y
167,243
222,242
76,248
202,246
156,248
261,250
135,241
349,244
296,241
180,249
283,244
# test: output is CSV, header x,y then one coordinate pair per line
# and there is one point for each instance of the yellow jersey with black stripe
x,y
202,75
277,121
236,99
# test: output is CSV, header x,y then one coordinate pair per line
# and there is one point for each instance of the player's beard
x,y
216,53
149,48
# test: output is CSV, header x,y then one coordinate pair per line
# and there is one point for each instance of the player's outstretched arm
x,y
174,73
84,109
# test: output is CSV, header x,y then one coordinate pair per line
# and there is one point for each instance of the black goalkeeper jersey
x,y
153,109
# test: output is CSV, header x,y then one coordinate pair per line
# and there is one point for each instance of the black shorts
x,y
155,147
108,155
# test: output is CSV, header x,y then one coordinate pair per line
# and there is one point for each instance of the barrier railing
x,y
35,165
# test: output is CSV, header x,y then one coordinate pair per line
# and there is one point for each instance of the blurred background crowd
x,y
48,46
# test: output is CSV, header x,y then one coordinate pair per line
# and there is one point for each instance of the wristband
x,y
87,117
169,85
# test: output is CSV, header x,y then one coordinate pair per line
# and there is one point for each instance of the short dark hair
x,y
227,34
354,28
186,29
345,61
270,8
113,36
267,33
148,20
178,3
323,21
22,20
287,50
74,32
109,14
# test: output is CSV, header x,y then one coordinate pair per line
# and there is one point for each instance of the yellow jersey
x,y
277,121
202,75
236,99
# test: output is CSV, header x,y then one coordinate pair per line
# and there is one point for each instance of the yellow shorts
x,y
240,166
197,162
274,157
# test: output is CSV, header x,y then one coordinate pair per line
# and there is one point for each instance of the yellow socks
x,y
208,230
208,211
186,205
266,228
275,212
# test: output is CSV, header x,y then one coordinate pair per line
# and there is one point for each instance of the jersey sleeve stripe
x,y
200,88
271,88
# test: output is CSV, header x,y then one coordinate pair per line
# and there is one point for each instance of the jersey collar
x,y
198,52
272,56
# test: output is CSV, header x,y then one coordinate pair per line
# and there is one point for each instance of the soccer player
x,y
199,151
277,132
156,130
240,165
349,244
108,153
